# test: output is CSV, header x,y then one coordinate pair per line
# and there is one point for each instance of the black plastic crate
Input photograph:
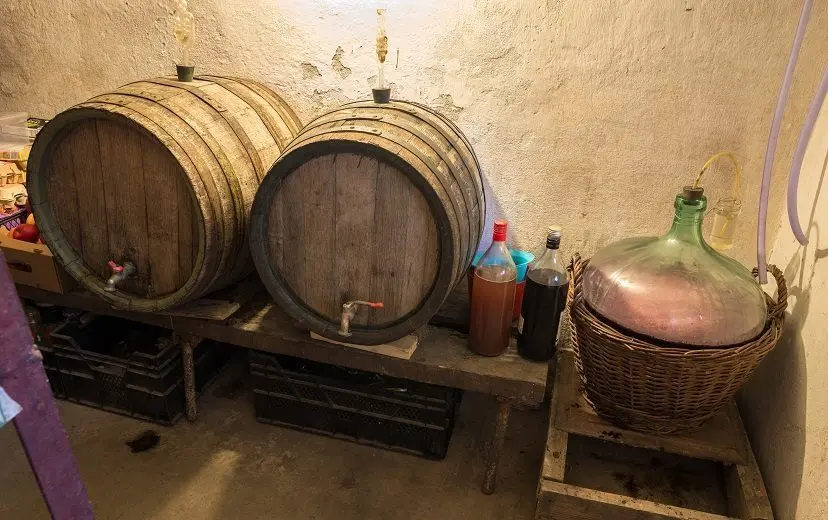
x,y
356,405
106,387
115,341
48,314
153,380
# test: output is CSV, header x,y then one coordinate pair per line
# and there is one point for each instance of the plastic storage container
x,y
135,347
354,405
13,129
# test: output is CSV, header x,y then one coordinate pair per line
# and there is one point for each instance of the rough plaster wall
x,y
587,114
785,403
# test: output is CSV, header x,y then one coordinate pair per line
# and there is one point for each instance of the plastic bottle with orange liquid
x,y
493,297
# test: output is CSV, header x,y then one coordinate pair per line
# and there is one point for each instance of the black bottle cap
x,y
553,237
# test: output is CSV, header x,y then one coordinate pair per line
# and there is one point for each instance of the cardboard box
x,y
34,265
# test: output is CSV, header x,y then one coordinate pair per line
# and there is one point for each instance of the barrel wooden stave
x,y
201,148
220,186
204,234
460,145
427,196
465,188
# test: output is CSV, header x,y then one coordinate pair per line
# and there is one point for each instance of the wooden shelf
x,y
720,439
593,470
442,356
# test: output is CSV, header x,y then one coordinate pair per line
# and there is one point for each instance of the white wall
x,y
584,113
786,402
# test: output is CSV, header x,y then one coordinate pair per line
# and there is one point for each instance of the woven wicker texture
x,y
654,387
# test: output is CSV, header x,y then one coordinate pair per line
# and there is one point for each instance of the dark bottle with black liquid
x,y
543,301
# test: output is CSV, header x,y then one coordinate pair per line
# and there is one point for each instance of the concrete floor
x,y
228,466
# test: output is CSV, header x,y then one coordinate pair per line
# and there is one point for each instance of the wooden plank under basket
x,y
593,470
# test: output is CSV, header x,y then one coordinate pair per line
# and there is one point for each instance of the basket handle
x,y
781,303
576,269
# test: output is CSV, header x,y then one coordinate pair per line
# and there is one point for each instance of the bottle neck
x,y
497,264
687,222
551,252
549,260
500,246
497,252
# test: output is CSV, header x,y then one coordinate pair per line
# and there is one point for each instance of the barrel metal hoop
x,y
342,115
406,107
477,179
192,89
245,93
238,130
275,100
286,114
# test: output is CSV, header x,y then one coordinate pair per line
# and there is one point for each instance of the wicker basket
x,y
654,387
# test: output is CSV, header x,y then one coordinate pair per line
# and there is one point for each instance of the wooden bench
x,y
594,470
441,358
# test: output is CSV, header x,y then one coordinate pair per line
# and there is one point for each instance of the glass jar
x,y
725,214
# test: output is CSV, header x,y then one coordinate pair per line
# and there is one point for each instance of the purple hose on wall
x,y
761,259
799,155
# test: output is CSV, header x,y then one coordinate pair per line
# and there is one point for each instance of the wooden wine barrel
x,y
161,174
377,202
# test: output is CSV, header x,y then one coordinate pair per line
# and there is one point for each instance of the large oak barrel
x,y
376,202
161,174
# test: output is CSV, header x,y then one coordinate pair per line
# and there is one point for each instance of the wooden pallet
x,y
593,470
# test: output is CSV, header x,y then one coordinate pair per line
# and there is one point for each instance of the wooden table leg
x,y
188,345
501,424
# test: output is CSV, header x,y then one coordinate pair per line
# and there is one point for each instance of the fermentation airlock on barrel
x,y
371,203
143,193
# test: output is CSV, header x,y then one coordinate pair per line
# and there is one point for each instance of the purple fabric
x,y
38,425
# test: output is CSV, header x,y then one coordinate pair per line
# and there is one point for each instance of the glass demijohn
x,y
676,288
